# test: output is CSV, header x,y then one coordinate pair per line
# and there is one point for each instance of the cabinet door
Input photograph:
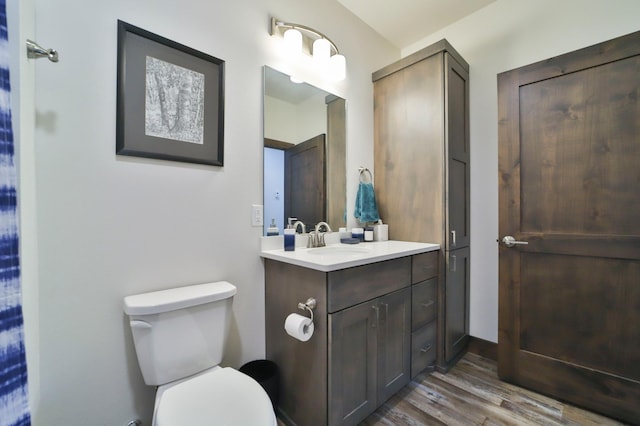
x,y
394,343
409,150
456,302
457,217
353,346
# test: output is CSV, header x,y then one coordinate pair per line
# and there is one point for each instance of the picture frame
x,y
170,99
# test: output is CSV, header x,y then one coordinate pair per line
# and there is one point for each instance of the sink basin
x,y
339,250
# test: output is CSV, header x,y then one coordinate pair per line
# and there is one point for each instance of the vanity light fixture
x,y
300,39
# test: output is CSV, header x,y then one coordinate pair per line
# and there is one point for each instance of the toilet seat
x,y
218,396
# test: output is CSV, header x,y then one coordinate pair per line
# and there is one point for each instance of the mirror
x,y
304,154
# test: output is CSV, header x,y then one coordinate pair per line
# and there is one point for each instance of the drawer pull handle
x,y
374,324
428,304
427,349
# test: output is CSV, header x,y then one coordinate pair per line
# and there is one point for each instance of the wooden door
x,y
569,168
305,181
394,343
353,359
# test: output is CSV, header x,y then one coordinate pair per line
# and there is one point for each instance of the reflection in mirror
x,y
304,154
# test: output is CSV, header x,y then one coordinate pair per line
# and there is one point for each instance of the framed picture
x,y
170,100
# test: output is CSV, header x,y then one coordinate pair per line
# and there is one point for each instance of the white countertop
x,y
341,256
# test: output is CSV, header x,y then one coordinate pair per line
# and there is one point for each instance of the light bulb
x,y
321,50
293,41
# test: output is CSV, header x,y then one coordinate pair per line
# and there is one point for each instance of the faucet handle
x,y
321,242
311,242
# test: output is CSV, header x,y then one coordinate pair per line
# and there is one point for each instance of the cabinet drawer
x,y
424,266
348,287
424,306
423,348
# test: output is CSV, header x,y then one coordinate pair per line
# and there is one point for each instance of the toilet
x,y
179,336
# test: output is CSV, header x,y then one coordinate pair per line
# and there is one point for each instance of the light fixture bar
x,y
279,27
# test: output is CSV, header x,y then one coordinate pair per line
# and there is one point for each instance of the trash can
x,y
264,372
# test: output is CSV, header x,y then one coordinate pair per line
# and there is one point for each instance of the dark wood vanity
x,y
375,328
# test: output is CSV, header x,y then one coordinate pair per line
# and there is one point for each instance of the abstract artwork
x,y
174,102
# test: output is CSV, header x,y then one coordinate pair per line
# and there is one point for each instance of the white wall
x,y
505,35
110,226
295,123
280,120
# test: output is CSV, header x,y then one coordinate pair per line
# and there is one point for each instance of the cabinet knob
x,y
374,324
428,304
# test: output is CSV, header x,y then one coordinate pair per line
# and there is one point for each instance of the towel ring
x,y
364,170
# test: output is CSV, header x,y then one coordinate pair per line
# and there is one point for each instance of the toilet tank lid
x,y
177,298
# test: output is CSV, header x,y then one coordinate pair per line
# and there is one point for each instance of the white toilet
x,y
179,336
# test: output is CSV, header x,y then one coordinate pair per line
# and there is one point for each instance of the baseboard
x,y
483,348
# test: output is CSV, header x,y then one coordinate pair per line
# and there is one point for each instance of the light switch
x,y
256,215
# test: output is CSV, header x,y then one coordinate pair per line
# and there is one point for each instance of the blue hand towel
x,y
366,209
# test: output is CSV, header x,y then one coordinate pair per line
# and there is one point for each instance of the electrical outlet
x,y
256,215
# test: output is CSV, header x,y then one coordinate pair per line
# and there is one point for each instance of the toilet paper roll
x,y
299,327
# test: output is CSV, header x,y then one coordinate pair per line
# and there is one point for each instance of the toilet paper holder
x,y
309,305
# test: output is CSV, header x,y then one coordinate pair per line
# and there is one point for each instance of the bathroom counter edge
x,y
377,251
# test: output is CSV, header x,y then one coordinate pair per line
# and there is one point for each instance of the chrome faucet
x,y
316,238
296,223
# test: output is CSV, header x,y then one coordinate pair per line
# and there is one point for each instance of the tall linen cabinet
x,y
421,164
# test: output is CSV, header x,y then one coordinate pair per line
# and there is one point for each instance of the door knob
x,y
509,241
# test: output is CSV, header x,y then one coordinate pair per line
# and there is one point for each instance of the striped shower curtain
x,y
14,406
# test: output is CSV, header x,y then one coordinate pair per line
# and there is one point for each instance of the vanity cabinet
x,y
369,351
421,160
361,351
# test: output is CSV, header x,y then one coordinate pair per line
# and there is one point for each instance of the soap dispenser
x,y
290,237
273,228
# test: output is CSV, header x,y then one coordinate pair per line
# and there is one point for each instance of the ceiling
x,y
404,22
279,86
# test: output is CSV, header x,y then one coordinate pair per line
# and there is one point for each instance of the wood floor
x,y
472,394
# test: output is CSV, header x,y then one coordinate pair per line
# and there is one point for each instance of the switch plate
x,y
256,215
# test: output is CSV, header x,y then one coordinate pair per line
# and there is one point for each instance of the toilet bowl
x,y
225,395
179,337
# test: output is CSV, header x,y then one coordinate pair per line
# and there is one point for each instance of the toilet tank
x,y
180,331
